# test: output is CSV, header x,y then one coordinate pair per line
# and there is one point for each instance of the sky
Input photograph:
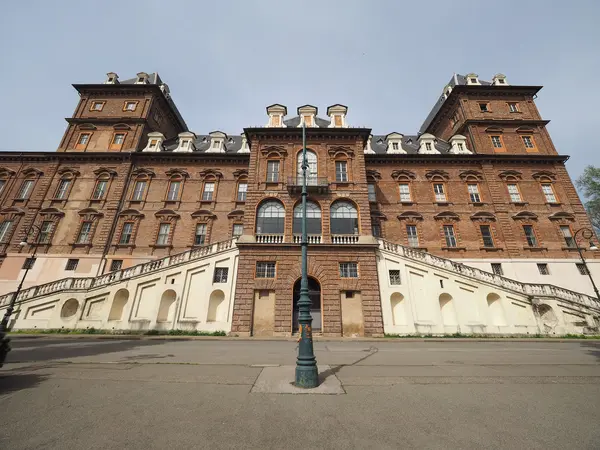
x,y
226,60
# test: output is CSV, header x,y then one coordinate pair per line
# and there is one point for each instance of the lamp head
x,y
593,246
22,244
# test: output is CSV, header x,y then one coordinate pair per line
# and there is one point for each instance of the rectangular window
x,y
548,191
349,270
272,171
45,232
84,233
238,229
395,277
486,235
116,264
2,184
568,236
242,192
395,146
99,190
220,275
513,107
208,192
530,236
200,236
265,269
97,106
449,236
341,171
28,263
126,233
117,141
173,193
71,264
582,269
376,230
474,193
130,106
497,269
372,192
164,232
5,230
82,141
484,107
25,190
153,143
440,194
543,269
405,192
428,146
513,192
413,237
528,142
138,191
61,191
496,141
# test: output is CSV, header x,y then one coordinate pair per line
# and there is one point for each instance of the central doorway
x,y
314,292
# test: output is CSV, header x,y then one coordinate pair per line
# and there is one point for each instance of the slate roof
x,y
456,80
295,121
203,143
409,143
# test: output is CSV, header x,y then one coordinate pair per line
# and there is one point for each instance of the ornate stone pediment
x,y
406,175
436,174
525,215
471,175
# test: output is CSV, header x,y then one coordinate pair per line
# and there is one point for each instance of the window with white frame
x,y
265,269
411,234
25,190
242,191
100,190
62,189
548,191
238,229
85,232
5,230
372,192
45,232
138,191
528,142
208,192
567,235
474,195
174,188
348,270
126,233
439,191
200,235
405,192
496,141
341,171
164,234
514,193
449,235
272,171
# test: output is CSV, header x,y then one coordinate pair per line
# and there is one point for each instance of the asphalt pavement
x,y
58,393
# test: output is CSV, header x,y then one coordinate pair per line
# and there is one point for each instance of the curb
x,y
133,337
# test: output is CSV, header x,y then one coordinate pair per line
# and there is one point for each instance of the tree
x,y
589,184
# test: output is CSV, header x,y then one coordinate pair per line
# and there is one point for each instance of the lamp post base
x,y
307,377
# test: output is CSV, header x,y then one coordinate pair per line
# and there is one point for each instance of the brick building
x,y
481,183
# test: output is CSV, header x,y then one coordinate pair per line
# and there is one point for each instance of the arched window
x,y
344,218
311,171
270,218
313,218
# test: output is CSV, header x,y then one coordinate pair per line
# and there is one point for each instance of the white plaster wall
x,y
190,310
471,308
563,272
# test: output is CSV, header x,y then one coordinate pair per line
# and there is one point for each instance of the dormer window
x,y
142,78
472,78
308,121
153,143
185,143
276,114
155,140
216,144
395,146
501,81
276,121
337,116
111,78
460,146
337,120
428,146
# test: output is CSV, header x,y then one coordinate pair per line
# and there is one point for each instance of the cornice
x,y
295,133
461,159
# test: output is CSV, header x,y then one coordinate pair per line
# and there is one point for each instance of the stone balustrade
x,y
270,238
344,238
311,238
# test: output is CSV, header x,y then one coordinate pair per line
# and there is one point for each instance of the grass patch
x,y
491,336
93,330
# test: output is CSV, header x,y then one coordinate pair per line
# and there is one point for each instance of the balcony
x,y
319,185
344,238
270,238
311,238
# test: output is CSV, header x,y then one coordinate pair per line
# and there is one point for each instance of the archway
x,y
118,304
167,301
398,309
216,304
447,310
69,309
314,292
496,311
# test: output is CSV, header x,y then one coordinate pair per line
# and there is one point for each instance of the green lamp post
x,y
307,375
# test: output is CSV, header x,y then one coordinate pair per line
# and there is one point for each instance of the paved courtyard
x,y
64,393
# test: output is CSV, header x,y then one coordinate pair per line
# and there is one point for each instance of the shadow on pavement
x,y
43,351
16,382
593,348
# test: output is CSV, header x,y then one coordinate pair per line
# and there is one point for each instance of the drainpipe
x,y
113,227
